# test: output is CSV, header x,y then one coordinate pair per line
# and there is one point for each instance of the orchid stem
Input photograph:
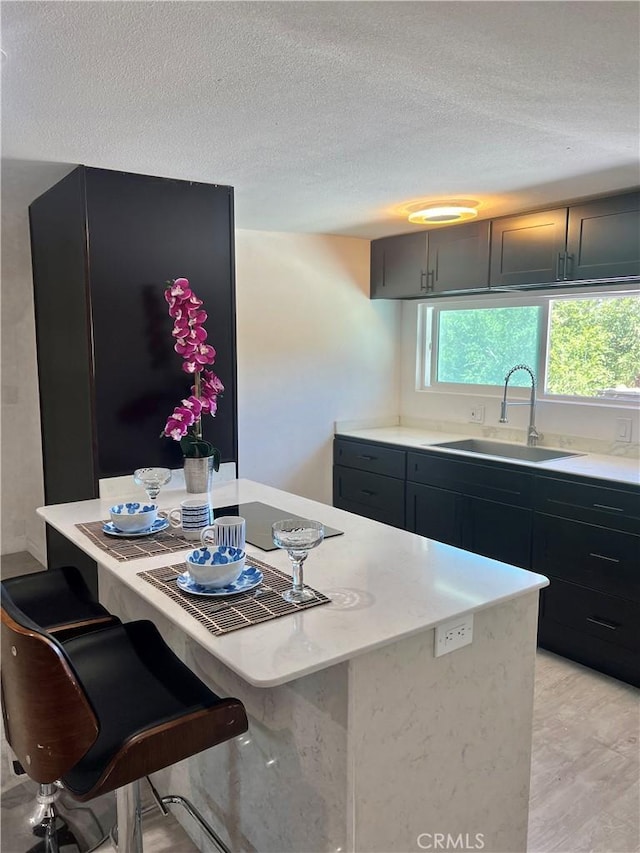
x,y
197,427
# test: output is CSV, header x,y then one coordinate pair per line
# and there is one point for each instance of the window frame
x,y
428,339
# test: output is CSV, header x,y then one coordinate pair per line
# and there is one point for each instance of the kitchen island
x,y
360,739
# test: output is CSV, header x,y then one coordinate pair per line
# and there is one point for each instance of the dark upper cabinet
x,y
603,238
428,263
103,245
528,249
458,258
399,266
593,241
596,240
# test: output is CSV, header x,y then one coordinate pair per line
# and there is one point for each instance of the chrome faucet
x,y
532,433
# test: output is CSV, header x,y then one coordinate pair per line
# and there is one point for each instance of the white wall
x,y
585,426
21,451
312,349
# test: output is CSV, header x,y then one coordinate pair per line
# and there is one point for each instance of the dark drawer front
x,y
372,495
614,508
604,617
482,481
595,557
369,457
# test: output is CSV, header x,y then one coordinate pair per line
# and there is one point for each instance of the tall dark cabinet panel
x,y
103,245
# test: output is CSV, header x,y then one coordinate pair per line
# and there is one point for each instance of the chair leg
x,y
129,818
43,821
51,823
174,799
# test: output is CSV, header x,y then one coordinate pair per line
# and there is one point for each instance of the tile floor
x,y
585,778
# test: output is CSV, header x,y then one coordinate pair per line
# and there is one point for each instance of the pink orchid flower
x,y
188,315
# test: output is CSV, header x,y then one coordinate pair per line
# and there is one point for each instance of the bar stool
x,y
61,603
104,709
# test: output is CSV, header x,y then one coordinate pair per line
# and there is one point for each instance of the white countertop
x,y
386,584
618,469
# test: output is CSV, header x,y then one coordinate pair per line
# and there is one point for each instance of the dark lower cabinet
x,y
372,495
480,508
497,530
596,557
598,630
435,513
369,480
583,534
591,609
491,529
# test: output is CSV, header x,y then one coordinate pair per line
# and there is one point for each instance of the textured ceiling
x,y
328,117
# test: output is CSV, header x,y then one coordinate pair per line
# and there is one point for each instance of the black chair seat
x,y
136,685
56,599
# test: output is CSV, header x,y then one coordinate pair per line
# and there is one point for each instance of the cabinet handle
x,y
604,557
368,493
606,506
423,281
559,260
430,276
368,458
604,623
568,265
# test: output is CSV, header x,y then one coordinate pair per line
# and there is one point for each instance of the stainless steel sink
x,y
510,451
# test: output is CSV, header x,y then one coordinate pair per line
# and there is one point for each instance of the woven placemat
x,y
125,548
223,615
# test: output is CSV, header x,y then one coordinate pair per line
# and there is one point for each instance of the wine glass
x,y
297,536
152,480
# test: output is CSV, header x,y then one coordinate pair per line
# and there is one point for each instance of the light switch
x,y
623,429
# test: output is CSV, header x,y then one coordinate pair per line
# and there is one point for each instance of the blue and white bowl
x,y
215,567
134,516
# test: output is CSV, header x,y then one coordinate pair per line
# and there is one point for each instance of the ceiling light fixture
x,y
443,212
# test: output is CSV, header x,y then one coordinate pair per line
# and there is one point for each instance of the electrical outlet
x,y
623,429
453,635
476,414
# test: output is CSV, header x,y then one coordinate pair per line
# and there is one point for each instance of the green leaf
x,y
196,448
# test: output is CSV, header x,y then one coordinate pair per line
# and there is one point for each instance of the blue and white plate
x,y
250,578
158,526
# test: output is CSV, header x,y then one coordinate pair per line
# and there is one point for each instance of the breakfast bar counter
x,y
360,739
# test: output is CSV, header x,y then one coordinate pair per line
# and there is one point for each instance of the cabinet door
x,y
435,513
528,249
603,238
458,258
404,266
499,531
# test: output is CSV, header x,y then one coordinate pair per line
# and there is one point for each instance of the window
x,y
585,347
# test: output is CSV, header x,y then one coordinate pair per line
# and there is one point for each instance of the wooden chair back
x,y
49,722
